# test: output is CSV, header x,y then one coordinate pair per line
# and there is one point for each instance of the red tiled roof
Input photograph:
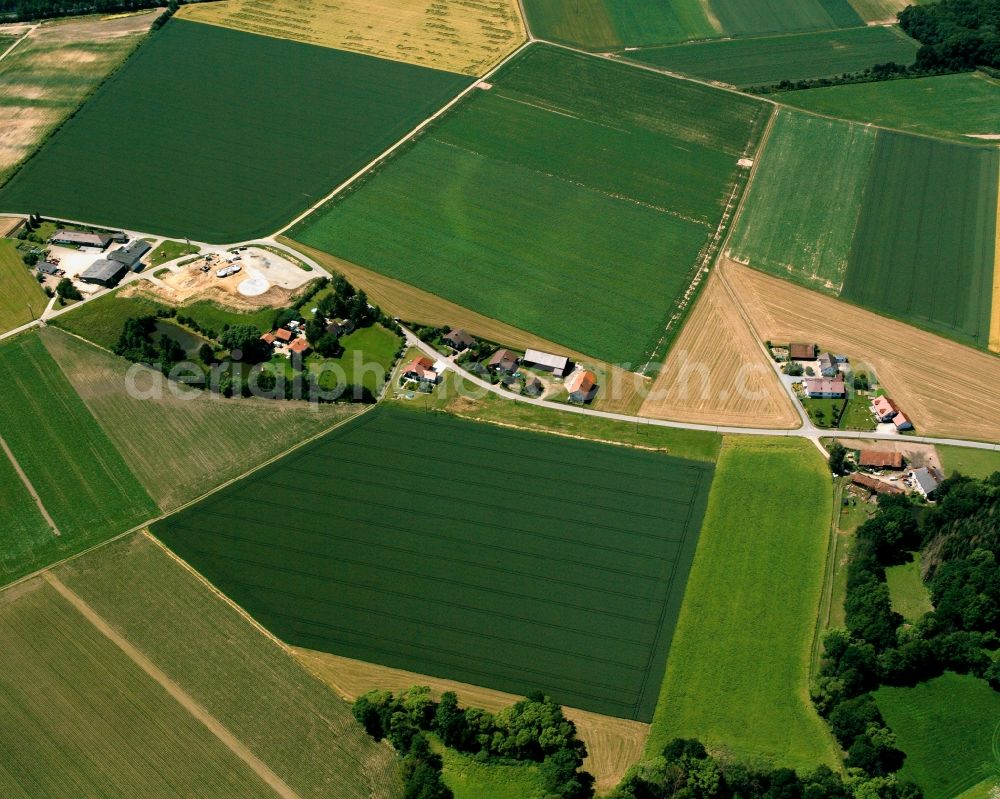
x,y
872,484
583,382
283,335
881,459
299,345
268,337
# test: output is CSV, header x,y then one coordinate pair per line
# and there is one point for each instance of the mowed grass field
x,y
466,36
51,72
978,463
745,17
952,106
202,440
83,482
500,558
801,211
759,61
248,173
910,597
79,718
587,232
738,672
924,248
250,684
21,297
949,729
101,320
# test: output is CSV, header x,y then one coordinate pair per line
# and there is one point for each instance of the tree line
x,y
24,10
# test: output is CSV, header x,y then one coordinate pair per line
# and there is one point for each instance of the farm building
x,y
802,352
884,409
503,361
582,386
533,386
421,369
104,273
880,459
81,238
283,335
269,339
458,340
824,388
875,486
131,253
47,268
828,365
557,364
299,347
340,327
926,481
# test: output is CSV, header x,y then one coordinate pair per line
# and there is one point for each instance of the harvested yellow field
x,y
8,224
466,36
717,373
613,744
52,70
947,389
620,391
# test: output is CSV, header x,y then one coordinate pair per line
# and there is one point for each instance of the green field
x,y
83,482
25,530
738,671
799,216
202,440
210,160
469,778
101,320
759,61
924,247
910,597
502,558
745,17
504,229
252,686
79,718
946,105
949,729
21,298
980,463
608,24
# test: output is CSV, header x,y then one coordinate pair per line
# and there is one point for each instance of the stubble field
x,y
21,297
392,557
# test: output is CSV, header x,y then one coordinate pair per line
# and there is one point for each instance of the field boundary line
x,y
994,341
18,41
28,485
825,608
185,700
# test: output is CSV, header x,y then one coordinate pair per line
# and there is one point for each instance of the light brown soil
x,y
916,455
8,224
717,373
467,36
614,744
190,284
620,391
947,389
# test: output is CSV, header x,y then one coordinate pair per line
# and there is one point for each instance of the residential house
x,y
802,352
828,366
299,347
582,385
47,268
269,339
873,485
458,340
902,422
825,388
81,238
880,459
883,409
283,335
926,481
557,364
533,386
422,370
503,361
104,273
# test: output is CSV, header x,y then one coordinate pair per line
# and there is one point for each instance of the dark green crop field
x,y
78,474
924,248
502,558
770,59
571,200
742,17
218,135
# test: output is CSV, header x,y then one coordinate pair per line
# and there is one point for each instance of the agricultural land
x,y
21,298
928,204
101,320
71,463
742,18
948,728
972,462
202,440
738,674
465,36
375,561
882,10
558,215
959,106
800,213
713,379
52,71
961,377
235,185
759,61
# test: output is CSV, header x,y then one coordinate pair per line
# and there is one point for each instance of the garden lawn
x,y
512,560
21,297
278,125
83,482
910,597
946,105
764,60
801,210
170,250
924,247
738,673
512,206
368,356
948,728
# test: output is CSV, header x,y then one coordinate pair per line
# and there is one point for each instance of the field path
x,y
11,49
175,691
994,344
27,484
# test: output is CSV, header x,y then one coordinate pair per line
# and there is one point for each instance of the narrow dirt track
x,y
27,484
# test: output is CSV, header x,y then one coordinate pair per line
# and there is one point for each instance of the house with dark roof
x,y
926,481
131,254
105,273
458,340
503,361
582,386
47,268
533,386
802,352
828,366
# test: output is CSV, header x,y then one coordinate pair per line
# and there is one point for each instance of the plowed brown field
x,y
717,373
947,389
